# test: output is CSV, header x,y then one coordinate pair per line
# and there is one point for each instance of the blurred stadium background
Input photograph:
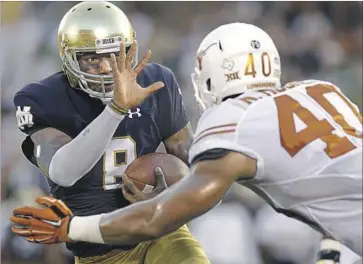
x,y
321,40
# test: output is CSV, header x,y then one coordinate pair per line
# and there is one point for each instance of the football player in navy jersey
x,y
82,134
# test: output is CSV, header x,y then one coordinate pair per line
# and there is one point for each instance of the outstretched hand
x,y
127,92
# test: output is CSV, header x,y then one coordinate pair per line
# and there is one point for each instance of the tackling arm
x,y
194,195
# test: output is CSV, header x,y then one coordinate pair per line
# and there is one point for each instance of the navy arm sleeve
x,y
171,107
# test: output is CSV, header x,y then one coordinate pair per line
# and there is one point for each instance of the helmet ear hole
x,y
209,88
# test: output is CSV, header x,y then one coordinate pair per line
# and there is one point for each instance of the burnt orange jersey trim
x,y
213,133
215,127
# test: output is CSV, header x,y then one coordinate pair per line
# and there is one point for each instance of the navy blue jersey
x,y
53,103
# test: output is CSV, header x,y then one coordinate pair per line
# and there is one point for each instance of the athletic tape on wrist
x,y
116,108
86,229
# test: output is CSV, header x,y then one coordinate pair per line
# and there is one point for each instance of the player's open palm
x,y
127,92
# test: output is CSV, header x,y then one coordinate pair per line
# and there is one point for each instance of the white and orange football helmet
x,y
233,59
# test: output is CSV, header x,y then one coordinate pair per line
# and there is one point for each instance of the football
x,y
141,170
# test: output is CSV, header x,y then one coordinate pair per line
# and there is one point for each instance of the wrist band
x,y
86,229
116,108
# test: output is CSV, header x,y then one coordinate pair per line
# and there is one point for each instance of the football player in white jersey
x,y
298,146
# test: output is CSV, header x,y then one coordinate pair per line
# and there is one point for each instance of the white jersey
x,y
308,145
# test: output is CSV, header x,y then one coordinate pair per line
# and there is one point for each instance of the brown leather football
x,y
141,170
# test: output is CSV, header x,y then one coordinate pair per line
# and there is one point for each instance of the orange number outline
x,y
293,141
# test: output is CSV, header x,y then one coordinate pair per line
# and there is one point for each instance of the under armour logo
x,y
137,112
228,64
24,117
255,44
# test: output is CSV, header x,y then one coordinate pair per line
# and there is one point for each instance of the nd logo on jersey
x,y
24,117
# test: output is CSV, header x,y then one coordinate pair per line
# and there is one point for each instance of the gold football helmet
x,y
92,27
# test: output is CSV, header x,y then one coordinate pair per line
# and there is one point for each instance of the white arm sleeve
x,y
75,159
